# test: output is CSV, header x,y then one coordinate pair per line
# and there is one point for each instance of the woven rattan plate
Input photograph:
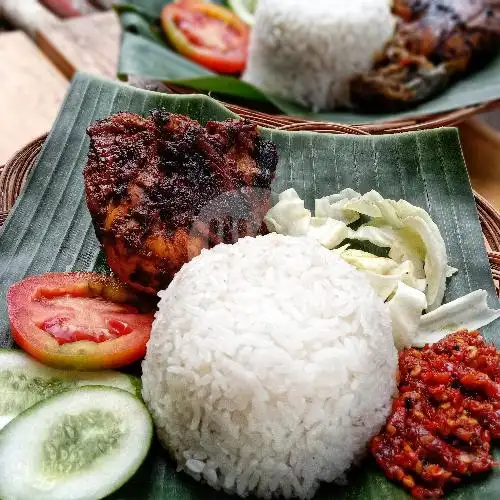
x,y
14,173
290,123
293,123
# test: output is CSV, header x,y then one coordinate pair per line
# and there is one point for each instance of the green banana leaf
x,y
145,53
50,230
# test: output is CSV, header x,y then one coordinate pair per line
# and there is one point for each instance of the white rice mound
x,y
270,366
308,51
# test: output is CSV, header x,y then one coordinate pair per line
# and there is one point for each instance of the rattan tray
x,y
286,122
290,123
14,173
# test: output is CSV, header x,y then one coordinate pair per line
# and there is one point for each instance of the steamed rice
x,y
270,366
308,51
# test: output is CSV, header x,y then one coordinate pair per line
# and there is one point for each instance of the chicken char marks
x,y
435,43
159,189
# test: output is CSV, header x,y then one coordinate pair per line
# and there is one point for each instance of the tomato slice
x,y
84,321
211,35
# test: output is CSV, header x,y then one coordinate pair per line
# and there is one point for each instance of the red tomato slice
x,y
84,321
209,34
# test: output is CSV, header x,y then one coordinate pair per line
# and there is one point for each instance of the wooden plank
x,y
32,91
89,44
481,147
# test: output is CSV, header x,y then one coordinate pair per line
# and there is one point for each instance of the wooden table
x,y
89,44
36,73
32,91
36,76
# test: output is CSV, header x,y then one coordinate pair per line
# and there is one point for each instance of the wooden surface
x,y
481,147
89,44
32,90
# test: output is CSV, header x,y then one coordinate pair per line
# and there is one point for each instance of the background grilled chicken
x,y
159,189
435,42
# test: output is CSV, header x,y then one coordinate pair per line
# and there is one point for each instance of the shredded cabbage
x,y
289,216
409,232
435,260
383,236
470,312
368,262
328,232
411,279
333,206
383,273
405,308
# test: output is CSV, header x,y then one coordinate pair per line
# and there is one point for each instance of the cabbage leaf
x,y
405,308
409,232
410,279
470,312
289,216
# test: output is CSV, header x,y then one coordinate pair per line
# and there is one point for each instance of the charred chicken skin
x,y
435,41
445,416
162,188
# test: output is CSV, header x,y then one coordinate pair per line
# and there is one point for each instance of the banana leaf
x,y
145,53
50,229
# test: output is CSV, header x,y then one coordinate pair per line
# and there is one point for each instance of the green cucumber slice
x,y
24,382
244,9
79,445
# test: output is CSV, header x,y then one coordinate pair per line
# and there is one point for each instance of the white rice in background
x,y
270,366
307,51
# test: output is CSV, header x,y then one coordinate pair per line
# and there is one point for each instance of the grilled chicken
x,y
162,188
435,42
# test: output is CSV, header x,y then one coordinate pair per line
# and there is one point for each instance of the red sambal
x,y
445,416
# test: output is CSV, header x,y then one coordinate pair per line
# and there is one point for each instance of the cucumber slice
x,y
244,9
79,445
24,382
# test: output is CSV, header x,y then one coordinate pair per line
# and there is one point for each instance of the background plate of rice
x,y
50,230
145,53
